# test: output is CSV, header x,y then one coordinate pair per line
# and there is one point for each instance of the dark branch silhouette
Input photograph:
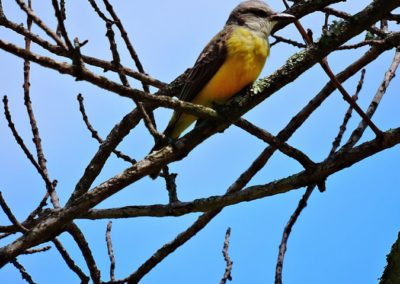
x,y
60,51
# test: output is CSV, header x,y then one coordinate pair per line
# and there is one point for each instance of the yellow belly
x,y
245,59
246,55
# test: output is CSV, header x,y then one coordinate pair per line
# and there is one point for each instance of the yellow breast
x,y
246,55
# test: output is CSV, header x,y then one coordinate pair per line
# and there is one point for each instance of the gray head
x,y
257,16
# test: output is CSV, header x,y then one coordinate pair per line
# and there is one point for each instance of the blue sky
x,y
341,237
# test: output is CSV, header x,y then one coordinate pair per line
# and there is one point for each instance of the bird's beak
x,y
282,17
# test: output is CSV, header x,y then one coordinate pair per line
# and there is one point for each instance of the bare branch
x,y
86,196
361,44
96,135
287,231
228,270
69,261
87,59
32,120
171,185
40,23
170,247
149,122
347,16
338,139
322,171
342,159
25,275
38,250
86,252
61,27
40,206
267,137
324,64
10,215
21,143
127,41
389,75
110,251
98,11
279,39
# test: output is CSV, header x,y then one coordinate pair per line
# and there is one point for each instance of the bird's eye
x,y
259,13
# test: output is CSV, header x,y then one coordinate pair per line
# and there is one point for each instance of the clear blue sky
x,y
342,236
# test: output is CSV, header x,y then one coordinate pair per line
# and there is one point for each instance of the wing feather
x,y
207,65
210,60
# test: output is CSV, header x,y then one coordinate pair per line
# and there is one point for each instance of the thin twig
x,y
63,10
105,65
96,135
288,41
287,231
303,202
148,121
324,64
170,182
75,232
10,215
228,270
39,208
86,252
21,143
25,275
389,75
61,26
170,247
38,21
346,16
110,251
98,11
148,114
127,41
267,137
32,120
310,189
70,262
370,42
37,250
338,139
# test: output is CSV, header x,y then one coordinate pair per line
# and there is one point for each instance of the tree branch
x,y
228,270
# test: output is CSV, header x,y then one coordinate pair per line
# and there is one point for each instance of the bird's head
x,y
257,16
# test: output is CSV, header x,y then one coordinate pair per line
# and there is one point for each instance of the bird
x,y
230,62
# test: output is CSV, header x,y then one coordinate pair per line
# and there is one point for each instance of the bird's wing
x,y
210,60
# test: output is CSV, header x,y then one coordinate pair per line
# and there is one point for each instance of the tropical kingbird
x,y
231,61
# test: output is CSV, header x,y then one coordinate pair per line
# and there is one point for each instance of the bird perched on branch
x,y
231,61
